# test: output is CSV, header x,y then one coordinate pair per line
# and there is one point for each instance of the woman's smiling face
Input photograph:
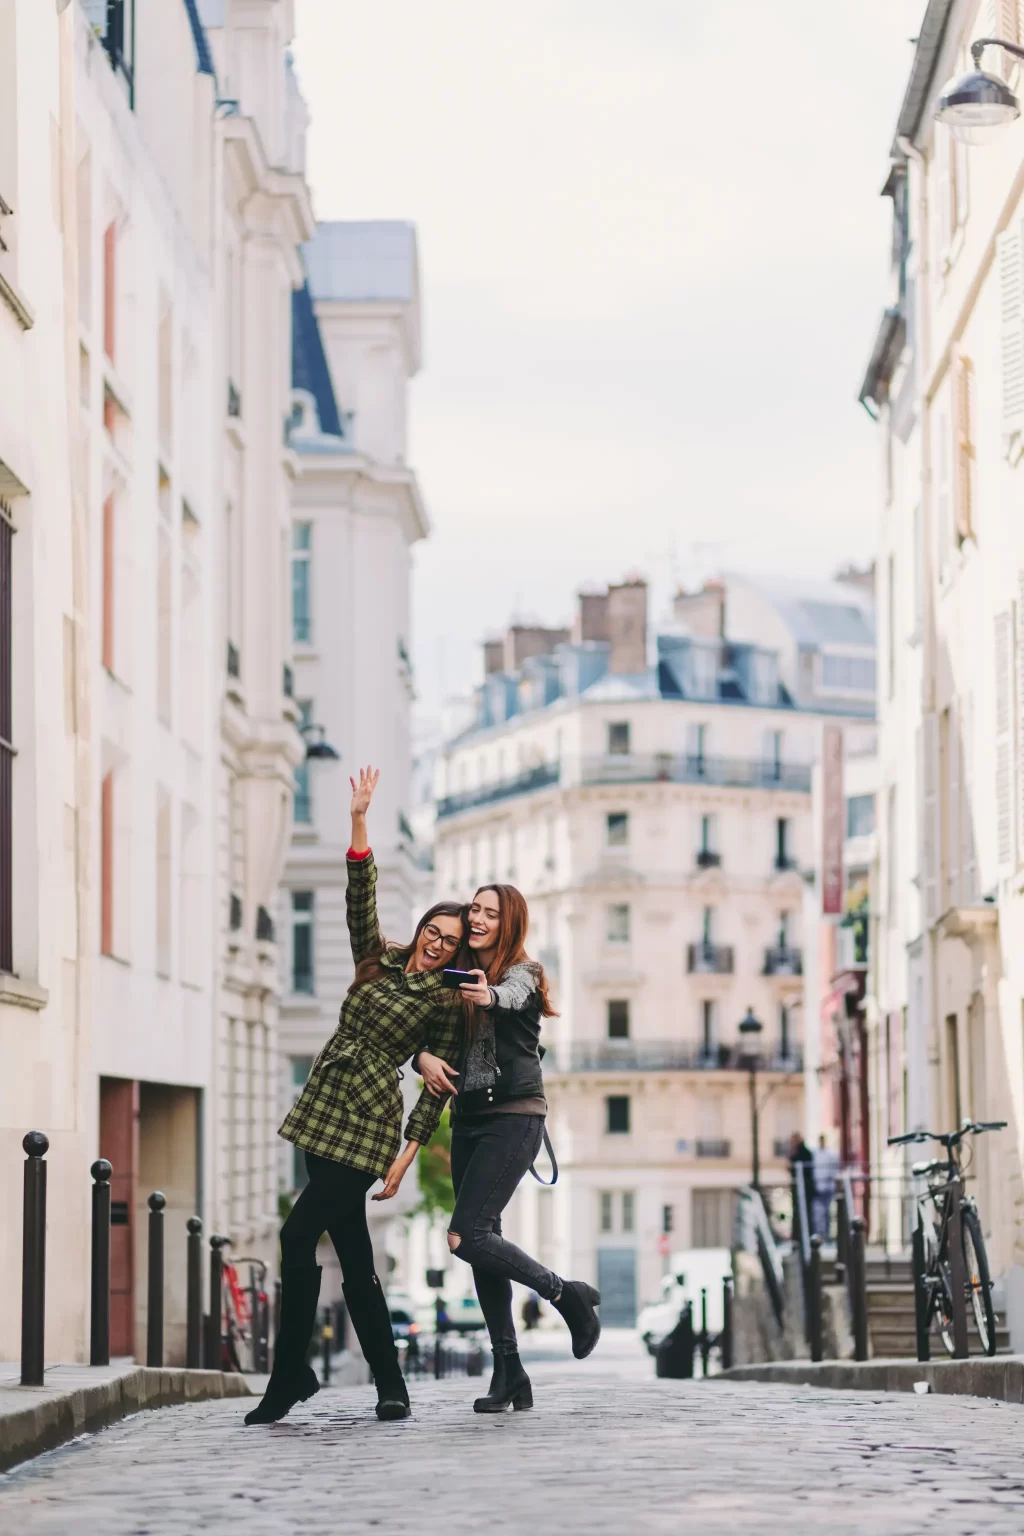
x,y
484,920
437,943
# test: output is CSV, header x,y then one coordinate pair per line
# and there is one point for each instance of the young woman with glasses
x,y
347,1120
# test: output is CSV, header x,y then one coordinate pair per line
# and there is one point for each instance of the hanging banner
x,y
833,829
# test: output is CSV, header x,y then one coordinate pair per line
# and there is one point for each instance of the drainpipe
x,y
924,1044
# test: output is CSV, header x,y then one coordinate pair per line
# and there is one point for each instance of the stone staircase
x,y
890,1289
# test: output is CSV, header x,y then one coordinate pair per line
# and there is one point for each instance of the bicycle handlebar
x,y
948,1138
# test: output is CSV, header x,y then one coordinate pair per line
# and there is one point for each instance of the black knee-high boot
x,y
292,1380
368,1309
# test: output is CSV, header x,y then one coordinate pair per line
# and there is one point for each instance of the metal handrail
x,y
803,1222
755,1235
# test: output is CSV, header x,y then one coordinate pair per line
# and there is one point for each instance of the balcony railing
x,y
727,772
234,400
287,681
784,862
709,959
708,860
713,1148
664,1056
781,960
486,794
234,660
264,926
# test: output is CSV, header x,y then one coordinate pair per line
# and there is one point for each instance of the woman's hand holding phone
x,y
436,1074
477,992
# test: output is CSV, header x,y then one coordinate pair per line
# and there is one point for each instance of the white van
x,y
689,1272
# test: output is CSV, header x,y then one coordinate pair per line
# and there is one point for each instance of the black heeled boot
x,y
371,1319
576,1304
292,1380
509,1384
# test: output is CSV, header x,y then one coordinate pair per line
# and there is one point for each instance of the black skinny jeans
x,y
490,1155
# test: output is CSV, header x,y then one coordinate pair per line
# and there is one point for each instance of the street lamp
x,y
316,744
977,105
750,1029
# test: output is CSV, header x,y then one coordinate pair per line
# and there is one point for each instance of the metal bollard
x,y
155,1288
920,1299
957,1271
194,1302
858,1289
326,1336
214,1342
842,1234
814,1299
705,1342
33,1260
725,1342
99,1319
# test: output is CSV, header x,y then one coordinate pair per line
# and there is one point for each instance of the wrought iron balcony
x,y
664,1056
781,960
713,1147
486,794
264,926
710,959
784,862
234,400
708,860
234,661
235,912
688,768
287,681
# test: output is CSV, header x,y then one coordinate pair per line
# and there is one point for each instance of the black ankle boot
x,y
371,1319
509,1384
292,1380
576,1304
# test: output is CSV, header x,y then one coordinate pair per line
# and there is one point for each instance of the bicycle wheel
x,y
942,1306
979,1285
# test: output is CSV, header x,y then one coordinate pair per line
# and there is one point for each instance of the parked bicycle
x,y
246,1313
935,1210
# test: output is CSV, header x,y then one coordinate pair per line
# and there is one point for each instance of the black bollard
x,y
214,1343
842,1233
33,1260
194,1302
726,1341
858,1289
99,1322
813,1283
674,1356
920,1295
155,1297
326,1336
705,1342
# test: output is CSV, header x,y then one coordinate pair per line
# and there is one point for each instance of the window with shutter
x,y
1003,19
950,807
1011,324
1004,809
968,862
944,494
964,416
931,832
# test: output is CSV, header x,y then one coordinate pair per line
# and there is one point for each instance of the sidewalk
x,y
77,1398
1001,1377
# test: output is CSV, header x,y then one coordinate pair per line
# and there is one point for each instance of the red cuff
x,y
359,856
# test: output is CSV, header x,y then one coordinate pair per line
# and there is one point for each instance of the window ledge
x,y
17,304
19,993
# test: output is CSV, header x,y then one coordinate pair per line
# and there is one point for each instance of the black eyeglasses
x,y
444,939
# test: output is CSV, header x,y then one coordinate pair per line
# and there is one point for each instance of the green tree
x,y
434,1171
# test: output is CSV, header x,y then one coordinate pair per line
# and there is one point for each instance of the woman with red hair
x,y
498,1115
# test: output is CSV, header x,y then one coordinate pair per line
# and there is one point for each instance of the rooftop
x,y
363,262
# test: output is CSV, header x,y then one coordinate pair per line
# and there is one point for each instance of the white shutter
x,y
952,849
963,447
930,829
1003,20
1011,321
968,870
1004,808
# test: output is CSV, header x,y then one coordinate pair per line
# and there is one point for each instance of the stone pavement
x,y
607,1449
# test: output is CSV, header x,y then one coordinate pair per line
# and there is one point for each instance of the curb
x,y
999,1378
29,1431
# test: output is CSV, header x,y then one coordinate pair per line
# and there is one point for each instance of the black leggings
x,y
490,1155
334,1201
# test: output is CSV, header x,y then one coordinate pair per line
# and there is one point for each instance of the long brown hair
x,y
510,949
370,968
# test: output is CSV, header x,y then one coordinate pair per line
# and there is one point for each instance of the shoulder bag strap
x,y
549,1149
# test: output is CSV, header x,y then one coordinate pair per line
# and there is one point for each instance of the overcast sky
x,y
653,258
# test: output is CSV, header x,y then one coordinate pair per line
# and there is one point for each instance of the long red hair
x,y
510,949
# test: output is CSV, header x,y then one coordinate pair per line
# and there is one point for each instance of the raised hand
x,y
362,793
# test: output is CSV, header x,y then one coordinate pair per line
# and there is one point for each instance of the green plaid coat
x,y
351,1107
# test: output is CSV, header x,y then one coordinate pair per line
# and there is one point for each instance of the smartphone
x,y
453,978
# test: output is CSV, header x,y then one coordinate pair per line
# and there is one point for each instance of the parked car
x,y
403,1317
464,1315
689,1272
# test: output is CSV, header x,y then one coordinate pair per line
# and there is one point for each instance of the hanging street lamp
x,y
750,1028
977,106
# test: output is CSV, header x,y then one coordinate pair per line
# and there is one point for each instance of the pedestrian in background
x,y
825,1165
348,1121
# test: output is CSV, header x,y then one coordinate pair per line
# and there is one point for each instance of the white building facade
x,y
651,797
944,380
357,511
149,305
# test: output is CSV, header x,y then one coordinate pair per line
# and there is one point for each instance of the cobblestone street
x,y
608,1448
